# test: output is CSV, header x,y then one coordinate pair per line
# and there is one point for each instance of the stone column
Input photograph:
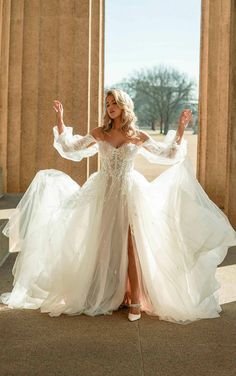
x,y
217,136
49,50
5,14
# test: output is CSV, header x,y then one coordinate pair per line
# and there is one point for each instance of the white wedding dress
x,y
72,240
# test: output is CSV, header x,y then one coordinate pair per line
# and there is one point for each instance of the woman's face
x,y
112,108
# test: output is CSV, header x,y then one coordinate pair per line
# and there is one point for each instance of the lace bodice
x,y
117,162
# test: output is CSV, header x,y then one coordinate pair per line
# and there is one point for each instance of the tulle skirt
x,y
72,244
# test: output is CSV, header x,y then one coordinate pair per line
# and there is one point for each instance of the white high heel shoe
x,y
133,316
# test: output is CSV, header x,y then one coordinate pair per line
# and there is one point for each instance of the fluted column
x,y
49,50
5,14
217,136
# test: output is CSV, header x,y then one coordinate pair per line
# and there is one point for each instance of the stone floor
x,y
32,343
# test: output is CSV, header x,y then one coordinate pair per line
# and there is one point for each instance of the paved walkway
x,y
32,343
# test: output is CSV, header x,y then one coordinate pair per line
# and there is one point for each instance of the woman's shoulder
x,y
97,133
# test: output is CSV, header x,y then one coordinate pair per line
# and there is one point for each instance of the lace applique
x,y
117,164
74,147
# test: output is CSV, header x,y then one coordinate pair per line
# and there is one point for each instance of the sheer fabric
x,y
167,152
74,147
72,240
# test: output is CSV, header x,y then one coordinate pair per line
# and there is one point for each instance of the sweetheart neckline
x,y
117,148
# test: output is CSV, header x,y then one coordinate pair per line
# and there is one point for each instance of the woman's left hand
x,y
185,118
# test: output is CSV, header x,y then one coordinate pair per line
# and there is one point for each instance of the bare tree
x,y
159,94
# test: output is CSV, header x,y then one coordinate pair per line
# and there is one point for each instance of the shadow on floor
x,y
32,343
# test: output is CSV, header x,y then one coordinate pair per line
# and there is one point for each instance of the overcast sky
x,y
144,33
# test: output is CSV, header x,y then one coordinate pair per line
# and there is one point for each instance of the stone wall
x,y
217,137
48,50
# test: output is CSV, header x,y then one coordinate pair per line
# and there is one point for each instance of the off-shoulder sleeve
x,y
166,152
74,147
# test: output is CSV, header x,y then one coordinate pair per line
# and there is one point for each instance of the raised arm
x,y
69,146
172,149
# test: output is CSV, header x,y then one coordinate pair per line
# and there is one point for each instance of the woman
x,y
118,238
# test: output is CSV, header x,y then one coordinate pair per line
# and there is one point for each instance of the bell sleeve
x,y
166,152
74,147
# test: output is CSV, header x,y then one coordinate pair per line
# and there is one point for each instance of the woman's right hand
x,y
58,108
185,118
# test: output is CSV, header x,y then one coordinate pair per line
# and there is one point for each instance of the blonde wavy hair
x,y
128,118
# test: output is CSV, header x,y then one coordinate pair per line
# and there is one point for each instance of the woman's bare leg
x,y
133,275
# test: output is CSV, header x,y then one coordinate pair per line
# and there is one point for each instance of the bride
x,y
119,239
